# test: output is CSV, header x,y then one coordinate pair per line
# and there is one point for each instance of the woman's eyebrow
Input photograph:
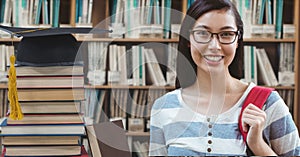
x,y
201,26
206,27
227,27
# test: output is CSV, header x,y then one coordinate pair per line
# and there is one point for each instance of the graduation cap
x,y
47,46
41,47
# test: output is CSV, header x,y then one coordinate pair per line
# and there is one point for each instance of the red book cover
x,y
83,153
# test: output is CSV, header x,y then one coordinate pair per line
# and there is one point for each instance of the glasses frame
x,y
237,33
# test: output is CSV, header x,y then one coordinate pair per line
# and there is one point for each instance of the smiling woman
x,y
201,116
213,49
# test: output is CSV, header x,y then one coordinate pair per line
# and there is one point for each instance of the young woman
x,y
201,116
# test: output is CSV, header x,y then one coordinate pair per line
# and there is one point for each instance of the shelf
x,y
4,86
284,87
141,40
127,87
3,39
254,40
137,133
269,40
81,38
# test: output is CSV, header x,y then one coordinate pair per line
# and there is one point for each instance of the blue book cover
x,y
38,12
278,24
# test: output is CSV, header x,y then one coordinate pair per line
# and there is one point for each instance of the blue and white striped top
x,y
176,130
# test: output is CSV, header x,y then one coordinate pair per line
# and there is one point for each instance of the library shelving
x,y
103,13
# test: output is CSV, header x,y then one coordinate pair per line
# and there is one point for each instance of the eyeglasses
x,y
204,36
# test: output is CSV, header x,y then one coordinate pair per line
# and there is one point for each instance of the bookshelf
x,y
100,17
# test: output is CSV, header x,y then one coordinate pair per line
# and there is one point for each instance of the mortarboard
x,y
41,47
47,46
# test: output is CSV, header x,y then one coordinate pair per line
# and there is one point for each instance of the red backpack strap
x,y
257,96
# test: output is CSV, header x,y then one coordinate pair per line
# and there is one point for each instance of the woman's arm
x,y
277,125
253,122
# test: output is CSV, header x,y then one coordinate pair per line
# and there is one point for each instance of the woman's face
x,y
214,55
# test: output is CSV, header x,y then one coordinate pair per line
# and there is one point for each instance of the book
x,y
154,71
50,94
279,18
83,153
32,107
49,70
40,140
266,69
42,150
43,130
35,119
50,81
97,62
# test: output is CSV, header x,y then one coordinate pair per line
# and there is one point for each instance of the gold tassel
x,y
15,108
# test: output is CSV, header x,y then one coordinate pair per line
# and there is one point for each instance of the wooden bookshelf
x,y
137,134
127,87
268,40
101,19
126,40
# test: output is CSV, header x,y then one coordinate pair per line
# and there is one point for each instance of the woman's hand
x,y
253,122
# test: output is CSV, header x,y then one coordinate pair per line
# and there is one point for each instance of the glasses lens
x,y
202,36
227,37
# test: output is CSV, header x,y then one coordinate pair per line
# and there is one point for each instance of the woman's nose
x,y
214,43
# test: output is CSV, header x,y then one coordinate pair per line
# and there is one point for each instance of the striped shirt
x,y
176,130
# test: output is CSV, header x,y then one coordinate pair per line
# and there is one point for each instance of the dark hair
x,y
186,68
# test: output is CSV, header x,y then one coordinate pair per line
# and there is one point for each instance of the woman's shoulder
x,y
275,101
168,100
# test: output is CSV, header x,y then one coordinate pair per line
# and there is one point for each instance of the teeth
x,y
213,58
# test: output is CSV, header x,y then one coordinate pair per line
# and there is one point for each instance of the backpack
x,y
257,96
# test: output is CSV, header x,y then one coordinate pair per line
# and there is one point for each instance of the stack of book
x,y
52,125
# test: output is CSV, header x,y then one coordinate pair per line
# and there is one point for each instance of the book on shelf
x,y
6,51
32,13
118,102
288,97
122,64
97,62
43,130
289,31
250,64
171,64
154,71
55,94
94,104
40,140
138,66
141,148
75,70
113,74
154,19
42,150
136,124
44,107
50,81
286,73
47,119
3,102
265,67
263,18
83,153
